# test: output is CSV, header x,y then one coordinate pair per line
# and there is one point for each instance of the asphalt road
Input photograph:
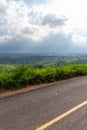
x,y
31,110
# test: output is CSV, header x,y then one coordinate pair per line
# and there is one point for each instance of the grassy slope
x,y
19,76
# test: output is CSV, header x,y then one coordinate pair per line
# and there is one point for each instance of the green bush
x,y
24,74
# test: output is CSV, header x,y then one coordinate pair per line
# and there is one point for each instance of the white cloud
x,y
19,20
16,17
3,5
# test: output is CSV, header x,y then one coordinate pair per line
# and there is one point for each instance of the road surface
x,y
59,107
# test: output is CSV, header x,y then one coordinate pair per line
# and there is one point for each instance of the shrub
x,y
25,74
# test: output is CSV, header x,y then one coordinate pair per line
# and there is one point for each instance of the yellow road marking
x,y
61,116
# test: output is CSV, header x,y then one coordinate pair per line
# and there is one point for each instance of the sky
x,y
43,26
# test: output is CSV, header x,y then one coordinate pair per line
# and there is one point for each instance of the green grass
x,y
5,67
15,77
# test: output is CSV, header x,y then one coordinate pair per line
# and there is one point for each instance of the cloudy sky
x,y
41,26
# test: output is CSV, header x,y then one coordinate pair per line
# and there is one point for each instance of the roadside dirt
x,y
8,93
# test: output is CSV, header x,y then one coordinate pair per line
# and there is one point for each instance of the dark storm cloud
x,y
18,45
53,21
27,30
58,43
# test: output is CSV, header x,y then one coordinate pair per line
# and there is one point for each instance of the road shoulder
x,y
28,88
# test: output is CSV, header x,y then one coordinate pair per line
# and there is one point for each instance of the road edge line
x,y
48,124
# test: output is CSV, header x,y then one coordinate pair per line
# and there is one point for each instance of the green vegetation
x,y
43,60
5,67
19,76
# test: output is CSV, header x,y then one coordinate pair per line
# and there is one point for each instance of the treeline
x,y
42,60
